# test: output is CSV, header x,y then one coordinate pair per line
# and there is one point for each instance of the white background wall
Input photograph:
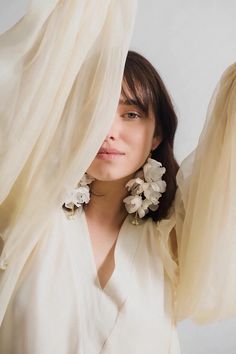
x,y
190,43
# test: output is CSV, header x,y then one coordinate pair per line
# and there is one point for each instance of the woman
x,y
144,127
126,297
105,278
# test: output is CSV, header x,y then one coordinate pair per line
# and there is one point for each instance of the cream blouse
x,y
58,305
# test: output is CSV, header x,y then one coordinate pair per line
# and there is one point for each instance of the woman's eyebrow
x,y
134,103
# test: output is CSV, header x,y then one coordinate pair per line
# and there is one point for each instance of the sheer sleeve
x,y
60,81
205,210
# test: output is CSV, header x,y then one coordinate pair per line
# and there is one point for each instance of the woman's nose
x,y
113,133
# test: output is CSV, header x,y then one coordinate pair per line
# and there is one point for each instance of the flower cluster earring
x,y
79,195
146,189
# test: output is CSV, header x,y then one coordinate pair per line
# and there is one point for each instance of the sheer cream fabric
x,y
206,214
203,217
61,71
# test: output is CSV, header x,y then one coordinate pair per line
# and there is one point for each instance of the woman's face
x,y
127,145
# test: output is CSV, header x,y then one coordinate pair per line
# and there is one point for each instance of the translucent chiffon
x,y
61,68
206,214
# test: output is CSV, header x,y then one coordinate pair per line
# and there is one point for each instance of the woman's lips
x,y
109,154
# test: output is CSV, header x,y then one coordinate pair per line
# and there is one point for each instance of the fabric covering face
x,y
60,77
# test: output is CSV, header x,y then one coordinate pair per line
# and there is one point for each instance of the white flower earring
x,y
146,189
79,195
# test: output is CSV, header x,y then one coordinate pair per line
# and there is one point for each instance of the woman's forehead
x,y
127,101
133,93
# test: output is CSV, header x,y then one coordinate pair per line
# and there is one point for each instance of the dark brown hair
x,y
142,84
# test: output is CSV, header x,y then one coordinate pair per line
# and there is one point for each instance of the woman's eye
x,y
132,115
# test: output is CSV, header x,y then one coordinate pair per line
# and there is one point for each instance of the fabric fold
x,y
58,99
207,232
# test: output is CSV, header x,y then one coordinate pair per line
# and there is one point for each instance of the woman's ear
x,y
156,140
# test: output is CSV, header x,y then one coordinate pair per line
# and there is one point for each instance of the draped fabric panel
x,y
61,70
206,214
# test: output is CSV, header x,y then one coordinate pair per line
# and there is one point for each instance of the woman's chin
x,y
108,176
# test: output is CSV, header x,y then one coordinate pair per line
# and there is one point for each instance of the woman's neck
x,y
106,202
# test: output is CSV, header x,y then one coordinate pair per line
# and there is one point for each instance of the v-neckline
x,y
100,308
92,256
117,286
80,249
